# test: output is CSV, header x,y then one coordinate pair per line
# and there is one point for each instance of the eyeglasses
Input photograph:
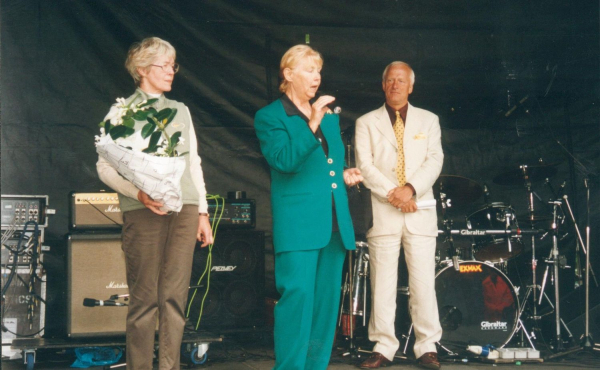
x,y
174,67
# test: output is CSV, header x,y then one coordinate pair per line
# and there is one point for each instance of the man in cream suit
x,y
399,152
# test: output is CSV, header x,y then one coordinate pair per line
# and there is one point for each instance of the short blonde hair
x,y
399,63
142,54
292,57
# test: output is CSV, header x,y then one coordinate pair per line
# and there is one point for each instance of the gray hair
x,y
398,63
142,54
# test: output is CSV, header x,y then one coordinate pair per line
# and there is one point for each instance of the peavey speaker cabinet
x,y
235,297
96,270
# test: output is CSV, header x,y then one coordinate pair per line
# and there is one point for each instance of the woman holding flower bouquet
x,y
158,242
300,139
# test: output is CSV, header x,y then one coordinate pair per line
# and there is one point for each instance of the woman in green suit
x,y
300,138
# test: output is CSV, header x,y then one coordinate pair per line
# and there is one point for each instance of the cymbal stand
x,y
355,287
558,262
447,226
579,238
533,288
587,342
348,284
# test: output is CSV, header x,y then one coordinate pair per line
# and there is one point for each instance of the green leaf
x,y
148,129
164,113
140,115
149,102
171,116
150,149
151,119
107,126
120,131
154,139
101,124
175,139
128,122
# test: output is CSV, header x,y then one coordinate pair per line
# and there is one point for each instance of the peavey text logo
x,y
472,232
112,208
470,268
223,268
113,285
498,325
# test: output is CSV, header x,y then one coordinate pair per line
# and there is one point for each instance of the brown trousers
x,y
158,253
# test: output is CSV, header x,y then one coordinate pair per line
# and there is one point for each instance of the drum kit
x,y
478,303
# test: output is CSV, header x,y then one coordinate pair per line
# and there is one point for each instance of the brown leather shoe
x,y
375,361
429,360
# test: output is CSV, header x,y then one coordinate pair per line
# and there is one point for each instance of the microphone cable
x,y
217,216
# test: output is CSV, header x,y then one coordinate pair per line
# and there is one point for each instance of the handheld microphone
x,y
90,302
333,108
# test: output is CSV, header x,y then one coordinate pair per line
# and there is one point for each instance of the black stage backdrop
x,y
62,67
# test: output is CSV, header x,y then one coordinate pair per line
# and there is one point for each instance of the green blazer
x,y
303,180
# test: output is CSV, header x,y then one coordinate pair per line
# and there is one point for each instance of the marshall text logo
x,y
112,208
114,285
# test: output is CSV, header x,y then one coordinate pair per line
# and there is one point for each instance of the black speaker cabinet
x,y
235,297
96,269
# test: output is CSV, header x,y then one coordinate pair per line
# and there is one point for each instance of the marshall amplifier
x,y
96,270
95,211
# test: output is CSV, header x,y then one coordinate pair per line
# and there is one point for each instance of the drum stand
x,y
534,287
558,262
587,342
355,287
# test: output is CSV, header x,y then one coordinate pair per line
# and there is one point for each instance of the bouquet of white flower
x,y
147,157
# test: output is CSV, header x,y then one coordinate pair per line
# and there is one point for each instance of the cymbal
x,y
461,190
533,173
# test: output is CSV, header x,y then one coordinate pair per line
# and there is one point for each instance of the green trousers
x,y
306,315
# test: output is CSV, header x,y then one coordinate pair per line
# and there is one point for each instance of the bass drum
x,y
478,305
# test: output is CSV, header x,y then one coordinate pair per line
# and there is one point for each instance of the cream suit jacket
x,y
376,156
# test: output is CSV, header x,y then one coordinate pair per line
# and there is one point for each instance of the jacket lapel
x,y
412,127
383,124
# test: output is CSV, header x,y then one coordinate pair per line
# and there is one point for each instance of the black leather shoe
x,y
375,361
429,360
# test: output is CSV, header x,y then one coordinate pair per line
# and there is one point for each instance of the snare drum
x,y
495,248
478,305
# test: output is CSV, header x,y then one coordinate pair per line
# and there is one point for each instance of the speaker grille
x,y
96,269
237,281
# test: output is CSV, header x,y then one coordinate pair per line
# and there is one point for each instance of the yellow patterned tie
x,y
399,132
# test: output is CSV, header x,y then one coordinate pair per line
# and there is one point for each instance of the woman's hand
x,y
150,203
318,110
204,235
352,176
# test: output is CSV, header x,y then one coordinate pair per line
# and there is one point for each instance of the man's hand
x,y
204,235
409,207
352,176
150,203
399,196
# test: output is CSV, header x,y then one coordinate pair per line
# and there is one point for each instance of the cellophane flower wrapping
x,y
159,177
